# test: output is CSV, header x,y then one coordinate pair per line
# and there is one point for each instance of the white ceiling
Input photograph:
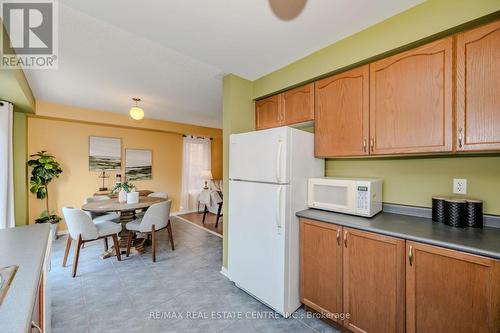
x,y
173,54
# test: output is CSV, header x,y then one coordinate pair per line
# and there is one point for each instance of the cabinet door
x,y
268,112
342,111
411,100
374,267
478,88
450,291
321,266
298,104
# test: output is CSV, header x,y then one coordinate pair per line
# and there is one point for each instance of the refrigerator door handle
x,y
278,160
278,209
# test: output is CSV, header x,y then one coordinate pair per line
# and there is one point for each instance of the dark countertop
x,y
25,247
484,242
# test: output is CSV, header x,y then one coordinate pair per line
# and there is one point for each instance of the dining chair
x,y
163,195
100,217
82,230
156,218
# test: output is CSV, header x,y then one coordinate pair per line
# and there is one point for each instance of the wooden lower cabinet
x,y
385,284
321,267
451,291
374,290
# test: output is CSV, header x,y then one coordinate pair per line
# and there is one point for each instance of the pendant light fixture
x,y
136,112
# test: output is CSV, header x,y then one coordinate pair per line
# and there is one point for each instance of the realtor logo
x,y
29,37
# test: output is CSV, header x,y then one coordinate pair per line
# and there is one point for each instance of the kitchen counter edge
x,y
479,241
26,247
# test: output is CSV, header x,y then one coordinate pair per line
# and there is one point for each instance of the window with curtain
x,y
195,159
6,167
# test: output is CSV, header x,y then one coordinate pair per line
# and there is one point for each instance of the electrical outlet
x,y
460,186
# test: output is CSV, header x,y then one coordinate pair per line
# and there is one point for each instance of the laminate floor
x,y
183,291
209,221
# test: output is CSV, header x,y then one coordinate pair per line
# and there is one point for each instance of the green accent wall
x,y
237,116
407,180
428,19
414,180
20,128
14,88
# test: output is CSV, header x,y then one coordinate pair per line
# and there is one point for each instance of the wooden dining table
x,y
127,213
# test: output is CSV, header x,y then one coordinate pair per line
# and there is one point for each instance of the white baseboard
x,y
223,271
199,226
184,212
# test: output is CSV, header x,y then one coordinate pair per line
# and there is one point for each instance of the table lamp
x,y
206,175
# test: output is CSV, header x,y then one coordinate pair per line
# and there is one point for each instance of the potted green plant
x,y
45,169
122,188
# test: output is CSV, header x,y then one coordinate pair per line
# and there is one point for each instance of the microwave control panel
x,y
363,197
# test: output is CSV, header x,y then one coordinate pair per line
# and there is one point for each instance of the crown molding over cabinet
x,y
426,100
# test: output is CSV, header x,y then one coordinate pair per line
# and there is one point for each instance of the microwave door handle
x,y
278,160
278,209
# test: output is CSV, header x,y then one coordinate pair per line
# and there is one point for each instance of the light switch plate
x,y
460,186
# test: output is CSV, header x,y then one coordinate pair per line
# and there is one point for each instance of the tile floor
x,y
136,295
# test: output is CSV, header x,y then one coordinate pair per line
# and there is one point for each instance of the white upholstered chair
x,y
100,217
157,217
82,229
163,195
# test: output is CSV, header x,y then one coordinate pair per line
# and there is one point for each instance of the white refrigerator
x,y
268,173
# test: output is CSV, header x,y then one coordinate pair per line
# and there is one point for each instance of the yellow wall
x,y
67,139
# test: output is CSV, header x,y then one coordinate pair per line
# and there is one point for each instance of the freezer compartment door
x,y
256,240
260,156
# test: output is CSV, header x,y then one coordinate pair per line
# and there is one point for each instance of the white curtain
x,y
195,159
6,167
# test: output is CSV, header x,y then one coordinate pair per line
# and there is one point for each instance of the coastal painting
x,y
105,153
138,164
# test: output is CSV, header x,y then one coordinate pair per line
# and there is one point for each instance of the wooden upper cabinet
x,y
451,291
268,112
321,266
411,100
374,282
342,114
478,88
298,104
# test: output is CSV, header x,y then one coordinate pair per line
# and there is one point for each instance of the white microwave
x,y
357,196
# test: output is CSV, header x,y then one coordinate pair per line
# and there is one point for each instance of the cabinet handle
x,y
338,236
410,255
372,144
345,238
364,145
35,326
460,138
